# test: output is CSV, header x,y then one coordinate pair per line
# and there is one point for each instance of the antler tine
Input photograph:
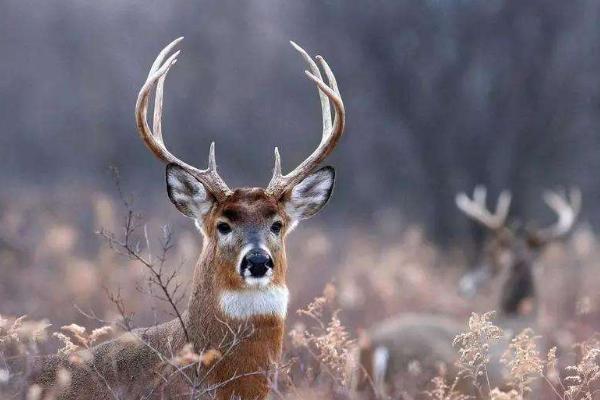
x,y
332,132
477,209
314,69
503,205
480,195
153,138
333,84
161,56
567,209
158,102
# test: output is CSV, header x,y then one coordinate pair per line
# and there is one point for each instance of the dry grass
x,y
50,261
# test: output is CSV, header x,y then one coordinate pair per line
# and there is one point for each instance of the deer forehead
x,y
249,206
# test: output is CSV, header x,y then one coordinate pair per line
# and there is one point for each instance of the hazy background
x,y
440,95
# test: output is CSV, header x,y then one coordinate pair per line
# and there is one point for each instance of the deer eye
x,y
276,227
224,228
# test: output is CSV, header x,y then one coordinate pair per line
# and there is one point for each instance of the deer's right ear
x,y
187,193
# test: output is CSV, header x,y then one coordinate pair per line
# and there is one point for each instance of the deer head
x,y
509,251
244,229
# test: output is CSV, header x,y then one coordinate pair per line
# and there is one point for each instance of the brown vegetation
x,y
371,278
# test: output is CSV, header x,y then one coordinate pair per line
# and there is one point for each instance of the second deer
x,y
508,261
509,254
390,347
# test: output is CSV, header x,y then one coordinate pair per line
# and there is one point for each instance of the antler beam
x,y
332,132
153,138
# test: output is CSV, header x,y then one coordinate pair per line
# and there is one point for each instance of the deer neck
x,y
213,310
518,293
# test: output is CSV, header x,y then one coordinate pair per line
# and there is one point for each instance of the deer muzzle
x,y
256,264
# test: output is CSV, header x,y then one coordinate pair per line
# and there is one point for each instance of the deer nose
x,y
256,263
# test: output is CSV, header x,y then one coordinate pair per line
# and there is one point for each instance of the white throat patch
x,y
246,303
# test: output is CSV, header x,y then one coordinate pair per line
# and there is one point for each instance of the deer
x,y
413,347
509,257
510,253
239,282
388,348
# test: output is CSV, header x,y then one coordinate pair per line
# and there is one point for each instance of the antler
x,y
567,207
332,133
477,209
154,139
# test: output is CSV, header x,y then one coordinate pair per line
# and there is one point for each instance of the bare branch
x,y
130,247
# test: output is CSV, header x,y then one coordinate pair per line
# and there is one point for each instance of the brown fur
x,y
130,365
422,341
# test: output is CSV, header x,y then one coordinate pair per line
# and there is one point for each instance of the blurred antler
x,y
476,208
153,137
332,133
566,207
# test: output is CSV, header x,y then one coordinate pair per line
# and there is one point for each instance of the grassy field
x,y
56,271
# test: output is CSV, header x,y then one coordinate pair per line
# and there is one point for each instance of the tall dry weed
x,y
473,348
523,361
327,341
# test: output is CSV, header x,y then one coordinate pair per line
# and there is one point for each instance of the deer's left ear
x,y
309,196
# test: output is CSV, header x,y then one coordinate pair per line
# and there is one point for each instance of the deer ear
x,y
309,196
187,193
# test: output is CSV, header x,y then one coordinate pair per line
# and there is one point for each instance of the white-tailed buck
x,y
239,283
510,253
389,348
508,259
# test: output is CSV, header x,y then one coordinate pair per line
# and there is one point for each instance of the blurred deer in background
x,y
390,348
508,261
415,345
239,283
509,254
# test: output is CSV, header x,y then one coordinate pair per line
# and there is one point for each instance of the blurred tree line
x,y
440,95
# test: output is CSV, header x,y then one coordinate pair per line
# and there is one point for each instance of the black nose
x,y
257,263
